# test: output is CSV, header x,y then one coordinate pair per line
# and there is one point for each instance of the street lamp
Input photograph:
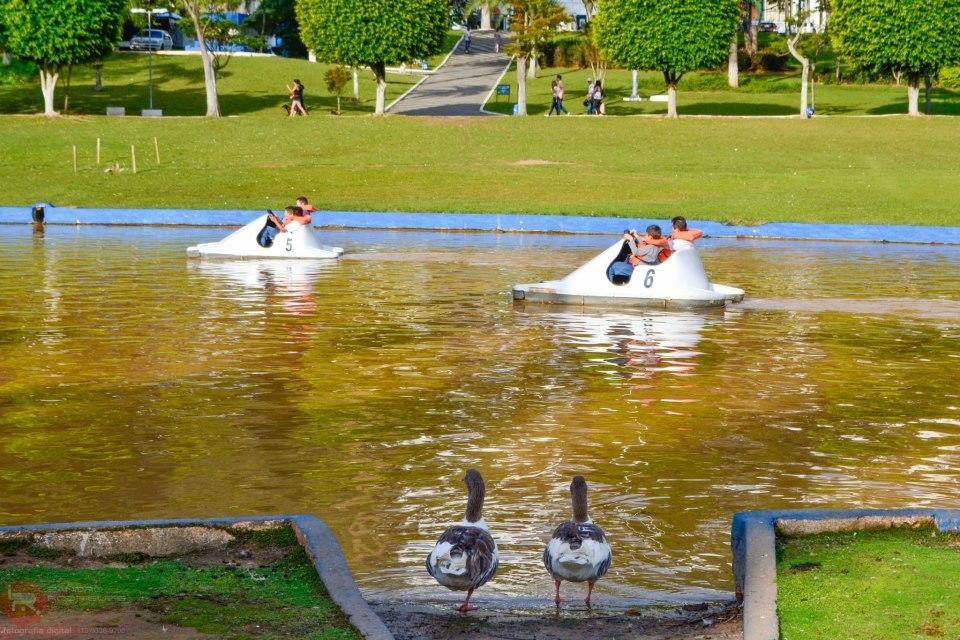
x,y
149,13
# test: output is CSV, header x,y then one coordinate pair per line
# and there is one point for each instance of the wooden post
x,y
156,147
133,157
74,158
98,152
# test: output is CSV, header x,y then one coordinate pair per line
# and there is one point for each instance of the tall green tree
x,y
670,36
913,37
58,35
532,24
373,33
279,18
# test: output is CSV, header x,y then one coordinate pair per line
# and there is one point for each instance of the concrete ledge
x,y
753,543
487,222
168,537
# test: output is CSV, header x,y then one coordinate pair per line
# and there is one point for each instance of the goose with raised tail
x,y
578,550
465,557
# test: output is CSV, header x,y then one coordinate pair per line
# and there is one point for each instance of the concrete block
x,y
116,111
152,113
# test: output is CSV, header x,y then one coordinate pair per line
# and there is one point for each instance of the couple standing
x,y
557,89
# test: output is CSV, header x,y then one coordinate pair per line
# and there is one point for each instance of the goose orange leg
x,y
465,606
557,599
590,591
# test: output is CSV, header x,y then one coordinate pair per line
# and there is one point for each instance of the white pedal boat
x,y
678,282
297,242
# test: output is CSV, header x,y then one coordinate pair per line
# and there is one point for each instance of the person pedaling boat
x,y
637,250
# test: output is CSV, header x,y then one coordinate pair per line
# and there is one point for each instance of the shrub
x,y
566,51
950,77
744,60
770,60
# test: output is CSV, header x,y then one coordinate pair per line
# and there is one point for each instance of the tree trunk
x,y
672,100
66,93
48,83
485,17
356,85
209,74
634,91
928,92
913,93
338,104
733,66
588,9
98,77
7,60
805,74
750,31
380,73
522,86
532,69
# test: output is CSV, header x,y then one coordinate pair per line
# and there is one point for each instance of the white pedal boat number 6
x,y
677,282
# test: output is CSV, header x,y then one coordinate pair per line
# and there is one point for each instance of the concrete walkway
x,y
459,87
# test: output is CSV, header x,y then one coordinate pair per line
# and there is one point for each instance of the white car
x,y
151,39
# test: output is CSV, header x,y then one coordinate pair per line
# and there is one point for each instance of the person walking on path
x,y
496,40
467,38
559,96
557,90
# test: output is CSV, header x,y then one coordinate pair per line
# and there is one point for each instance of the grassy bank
x,y
865,585
895,170
246,591
707,93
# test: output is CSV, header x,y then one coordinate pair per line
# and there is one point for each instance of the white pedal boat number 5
x,y
677,282
297,242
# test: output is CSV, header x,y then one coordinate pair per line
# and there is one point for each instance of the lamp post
x,y
149,13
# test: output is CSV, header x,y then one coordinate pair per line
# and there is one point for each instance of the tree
x,y
60,34
195,9
222,38
279,18
491,12
670,36
373,33
913,37
337,79
532,24
4,53
749,40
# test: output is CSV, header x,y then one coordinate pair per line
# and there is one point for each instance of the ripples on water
x,y
137,383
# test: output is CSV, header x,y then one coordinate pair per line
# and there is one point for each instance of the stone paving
x,y
459,87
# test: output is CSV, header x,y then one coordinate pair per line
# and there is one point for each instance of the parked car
x,y
151,39
768,27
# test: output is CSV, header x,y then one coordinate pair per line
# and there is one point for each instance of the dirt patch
x,y
83,625
533,162
438,621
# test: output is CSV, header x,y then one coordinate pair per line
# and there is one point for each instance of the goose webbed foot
x,y
466,606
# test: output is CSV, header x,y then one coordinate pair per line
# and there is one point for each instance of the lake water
x,y
137,383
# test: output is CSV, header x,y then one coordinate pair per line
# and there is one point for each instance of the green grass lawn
x,y
248,86
283,599
707,93
858,170
898,583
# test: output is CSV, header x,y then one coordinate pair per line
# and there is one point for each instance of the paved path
x,y
458,87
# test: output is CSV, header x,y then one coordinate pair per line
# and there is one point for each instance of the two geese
x,y
465,557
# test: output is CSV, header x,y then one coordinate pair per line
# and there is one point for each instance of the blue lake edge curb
x,y
312,533
504,223
753,538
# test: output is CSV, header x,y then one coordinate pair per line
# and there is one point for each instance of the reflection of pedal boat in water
x,y
677,282
298,242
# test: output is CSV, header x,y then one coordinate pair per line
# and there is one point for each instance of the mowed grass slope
x,y
855,170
